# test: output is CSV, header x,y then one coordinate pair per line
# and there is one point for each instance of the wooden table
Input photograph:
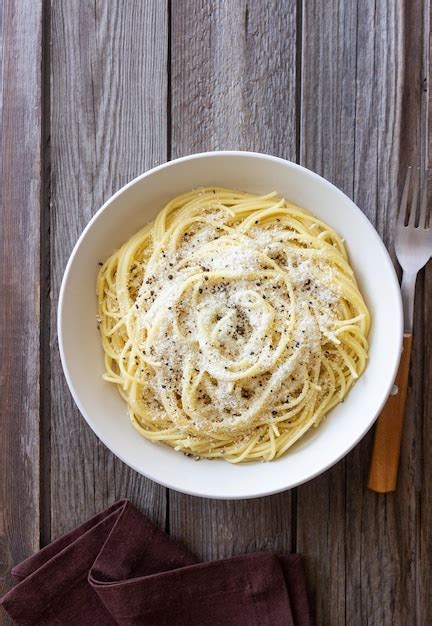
x,y
95,93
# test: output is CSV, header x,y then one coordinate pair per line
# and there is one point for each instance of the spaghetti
x,y
231,324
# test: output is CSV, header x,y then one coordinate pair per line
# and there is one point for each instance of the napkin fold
x,y
119,568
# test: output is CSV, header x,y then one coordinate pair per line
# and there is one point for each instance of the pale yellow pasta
x,y
231,324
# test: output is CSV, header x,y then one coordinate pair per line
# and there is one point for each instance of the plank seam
x,y
299,60
421,402
298,98
45,288
353,193
169,80
168,157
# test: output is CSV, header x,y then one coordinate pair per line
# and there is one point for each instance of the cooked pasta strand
x,y
231,324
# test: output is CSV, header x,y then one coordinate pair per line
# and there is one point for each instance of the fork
x,y
413,247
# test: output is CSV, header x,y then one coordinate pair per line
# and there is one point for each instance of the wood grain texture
x,y
108,124
19,273
424,482
382,526
215,529
233,76
419,115
342,86
388,430
352,87
233,86
328,109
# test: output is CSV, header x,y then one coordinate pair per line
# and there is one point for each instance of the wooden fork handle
x,y
388,430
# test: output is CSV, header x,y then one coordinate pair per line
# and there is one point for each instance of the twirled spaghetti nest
x,y
231,324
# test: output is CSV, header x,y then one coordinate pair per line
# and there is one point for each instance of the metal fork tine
x,y
423,206
413,246
404,201
414,200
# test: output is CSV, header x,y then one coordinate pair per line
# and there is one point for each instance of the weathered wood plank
x,y
328,104
234,76
424,489
19,270
384,526
361,554
108,124
233,86
421,376
214,529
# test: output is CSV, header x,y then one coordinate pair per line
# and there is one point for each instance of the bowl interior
x,y
81,351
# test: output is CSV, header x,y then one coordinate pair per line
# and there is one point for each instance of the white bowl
x,y
81,351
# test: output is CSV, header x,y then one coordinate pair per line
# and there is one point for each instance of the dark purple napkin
x,y
119,568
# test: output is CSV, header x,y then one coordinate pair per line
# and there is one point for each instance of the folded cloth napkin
x,y
119,568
